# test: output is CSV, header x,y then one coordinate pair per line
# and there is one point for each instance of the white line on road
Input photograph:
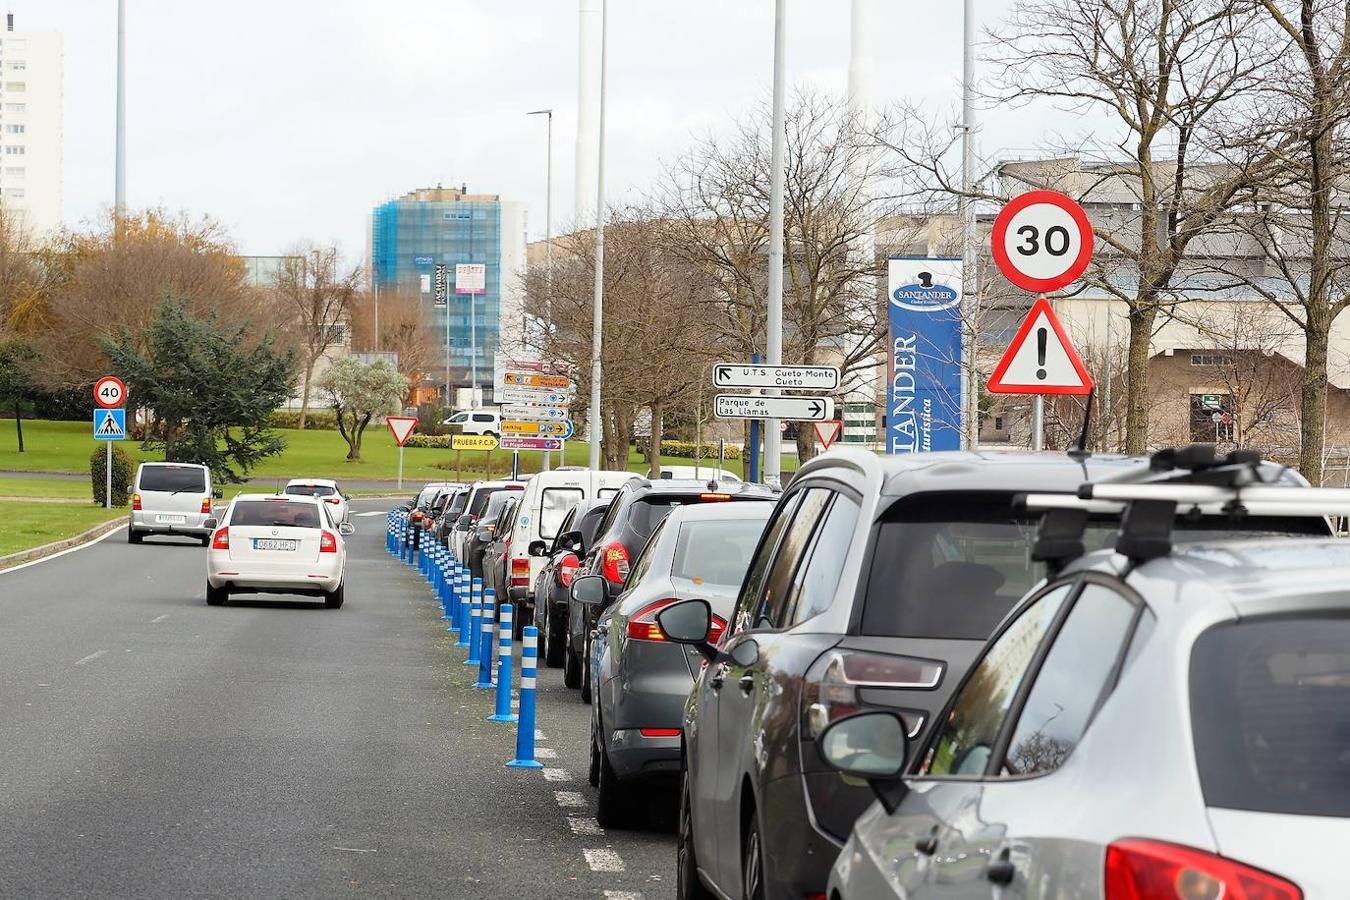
x,y
545,753
569,798
356,849
584,825
159,618
603,860
366,515
90,658
539,735
623,895
557,775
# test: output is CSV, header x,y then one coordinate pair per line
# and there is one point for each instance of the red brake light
x,y
520,572
333,500
206,505
659,732
221,539
642,625
328,542
831,686
716,630
710,495
136,502
614,562
1152,870
567,569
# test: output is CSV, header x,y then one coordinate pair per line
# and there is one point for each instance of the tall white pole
x,y
860,115
588,31
970,299
548,241
120,179
773,439
598,301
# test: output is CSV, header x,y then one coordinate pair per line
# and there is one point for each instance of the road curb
x,y
70,543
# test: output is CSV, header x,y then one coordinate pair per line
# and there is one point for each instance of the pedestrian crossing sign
x,y
110,424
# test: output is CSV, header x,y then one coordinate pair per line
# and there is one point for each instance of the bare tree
x,y
317,292
402,331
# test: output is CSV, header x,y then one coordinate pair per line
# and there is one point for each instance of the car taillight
x,y
136,502
520,572
642,624
567,569
221,539
206,505
614,562
328,542
659,732
830,689
713,496
333,500
1137,869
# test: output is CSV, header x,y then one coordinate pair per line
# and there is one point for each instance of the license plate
x,y
171,520
270,544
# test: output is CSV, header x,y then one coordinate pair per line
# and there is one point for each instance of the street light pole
x,y
773,438
598,300
970,300
548,237
120,178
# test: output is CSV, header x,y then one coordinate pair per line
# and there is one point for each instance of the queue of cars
x,y
962,675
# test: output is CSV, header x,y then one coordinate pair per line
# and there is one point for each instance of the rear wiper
x,y
181,490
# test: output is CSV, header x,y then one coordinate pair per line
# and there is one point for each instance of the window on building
x,y
1213,418
16,86
14,193
16,107
14,150
998,423
16,129
14,171
17,65
1211,360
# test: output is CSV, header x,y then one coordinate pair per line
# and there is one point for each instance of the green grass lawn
x,y
66,446
46,487
28,524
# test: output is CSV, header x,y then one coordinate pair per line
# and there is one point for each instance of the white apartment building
x,y
31,72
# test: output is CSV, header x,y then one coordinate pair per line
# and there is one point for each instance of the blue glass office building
x,y
412,234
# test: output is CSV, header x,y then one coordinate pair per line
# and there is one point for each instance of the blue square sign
x,y
110,424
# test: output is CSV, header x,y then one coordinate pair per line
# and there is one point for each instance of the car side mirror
x,y
211,524
569,540
346,528
538,548
217,494
591,590
465,521
485,535
688,622
872,746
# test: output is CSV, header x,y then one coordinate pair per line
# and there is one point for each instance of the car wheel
x,y
613,808
555,643
216,596
688,886
134,536
571,670
333,599
586,674
752,862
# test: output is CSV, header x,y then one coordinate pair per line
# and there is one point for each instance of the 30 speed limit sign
x,y
1042,241
110,392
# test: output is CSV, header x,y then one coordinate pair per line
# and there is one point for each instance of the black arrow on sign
x,y
723,373
817,408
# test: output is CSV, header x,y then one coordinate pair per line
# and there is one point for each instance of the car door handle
x,y
928,844
1002,870
718,676
747,684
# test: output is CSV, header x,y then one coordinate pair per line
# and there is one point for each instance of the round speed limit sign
x,y
110,392
1042,241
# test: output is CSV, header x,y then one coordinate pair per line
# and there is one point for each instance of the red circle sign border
x,y
1005,263
115,380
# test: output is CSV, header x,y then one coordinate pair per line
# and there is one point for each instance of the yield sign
x,y
827,432
401,427
1040,359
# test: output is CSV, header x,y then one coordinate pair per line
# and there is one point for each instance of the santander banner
x,y
923,409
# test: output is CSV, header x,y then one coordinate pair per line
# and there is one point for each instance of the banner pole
x,y
107,476
400,467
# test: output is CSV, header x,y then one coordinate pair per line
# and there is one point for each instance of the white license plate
x,y
170,520
270,544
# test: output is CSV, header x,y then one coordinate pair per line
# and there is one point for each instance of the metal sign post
x,y
109,425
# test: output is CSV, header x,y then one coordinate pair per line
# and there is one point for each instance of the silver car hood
x,y
1298,848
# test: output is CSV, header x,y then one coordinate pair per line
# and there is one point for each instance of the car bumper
x,y
318,578
148,522
636,755
649,692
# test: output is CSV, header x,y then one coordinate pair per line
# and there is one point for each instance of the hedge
x,y
429,441
685,449
121,475
317,420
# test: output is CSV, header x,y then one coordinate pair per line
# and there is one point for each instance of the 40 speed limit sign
x,y
110,392
1042,241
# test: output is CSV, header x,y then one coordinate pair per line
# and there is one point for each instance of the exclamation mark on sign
x,y
1041,337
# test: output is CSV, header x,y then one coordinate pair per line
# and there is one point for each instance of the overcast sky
x,y
290,119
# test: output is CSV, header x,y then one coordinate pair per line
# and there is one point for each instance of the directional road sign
x,y
515,442
801,409
543,429
1042,241
828,432
522,412
401,427
1040,359
536,380
110,392
473,442
110,424
541,396
805,378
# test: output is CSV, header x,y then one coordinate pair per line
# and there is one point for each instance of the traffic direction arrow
x,y
401,427
806,378
549,429
800,409
1040,359
542,396
514,442
536,380
521,412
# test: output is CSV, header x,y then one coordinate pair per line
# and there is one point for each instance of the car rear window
x,y
173,478
483,494
1268,710
716,553
554,505
310,490
649,511
275,513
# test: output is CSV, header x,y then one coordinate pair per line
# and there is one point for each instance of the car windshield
x,y
310,490
716,553
483,496
275,513
427,495
173,478
950,565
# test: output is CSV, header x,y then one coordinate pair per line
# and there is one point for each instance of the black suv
x,y
875,584
633,515
576,533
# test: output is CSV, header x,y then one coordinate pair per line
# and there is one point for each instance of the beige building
x,y
31,99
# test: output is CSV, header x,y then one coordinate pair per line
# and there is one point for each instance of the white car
x,y
277,544
326,489
476,421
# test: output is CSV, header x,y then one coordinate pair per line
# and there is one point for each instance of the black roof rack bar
x,y
1291,506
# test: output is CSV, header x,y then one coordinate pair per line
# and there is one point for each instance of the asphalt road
x,y
156,747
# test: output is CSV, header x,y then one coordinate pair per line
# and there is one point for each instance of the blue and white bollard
x,y
488,623
449,602
504,650
475,621
465,627
529,666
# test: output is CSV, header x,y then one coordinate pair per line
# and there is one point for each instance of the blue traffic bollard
x,y
504,650
529,663
465,627
486,626
475,621
448,602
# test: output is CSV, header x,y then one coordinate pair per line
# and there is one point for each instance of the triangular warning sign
x,y
827,432
108,427
1040,359
401,427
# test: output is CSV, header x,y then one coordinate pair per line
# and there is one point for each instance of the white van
x,y
547,498
171,498
475,421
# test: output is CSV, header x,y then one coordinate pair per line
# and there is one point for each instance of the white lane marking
x,y
367,515
102,537
90,658
159,618
545,753
584,825
603,860
539,735
356,850
569,798
623,895
557,775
